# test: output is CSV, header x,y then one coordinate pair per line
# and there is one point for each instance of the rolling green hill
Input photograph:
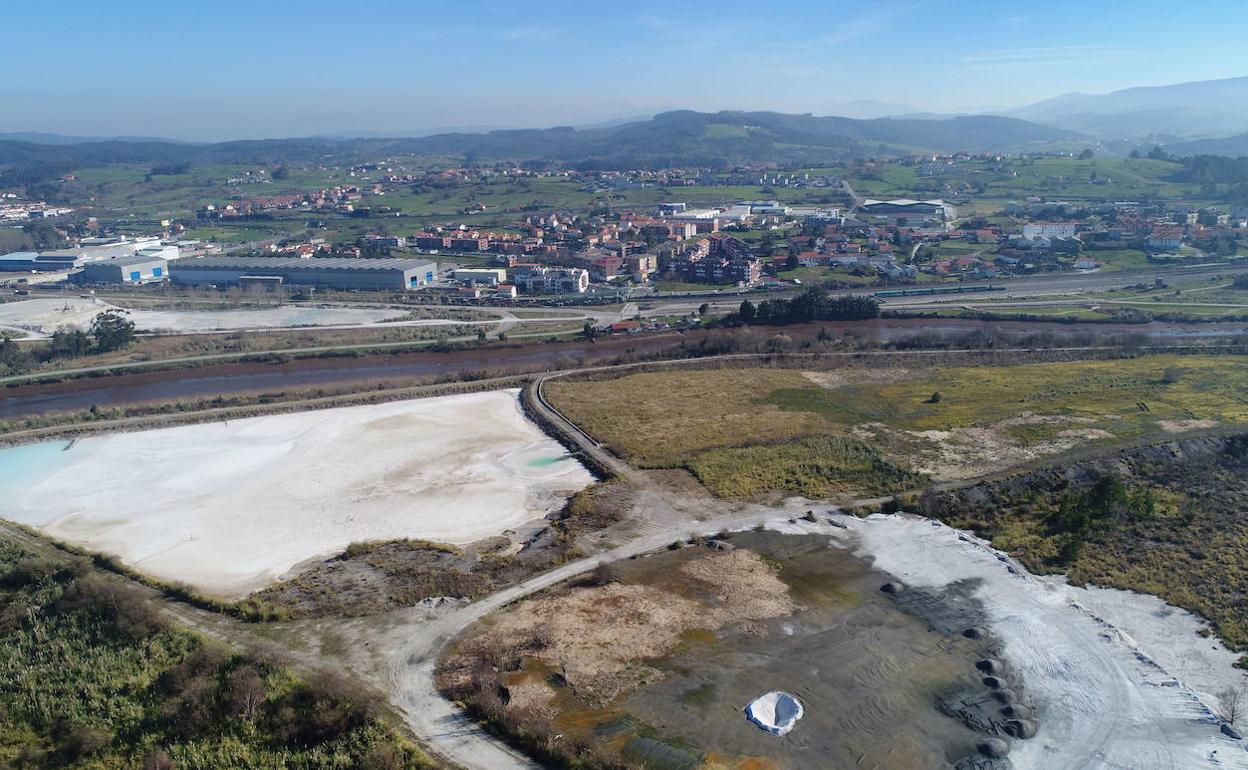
x,y
681,138
728,138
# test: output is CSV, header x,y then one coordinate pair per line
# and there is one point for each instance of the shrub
x,y
124,606
603,574
78,741
157,760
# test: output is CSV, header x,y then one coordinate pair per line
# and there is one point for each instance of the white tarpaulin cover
x,y
776,712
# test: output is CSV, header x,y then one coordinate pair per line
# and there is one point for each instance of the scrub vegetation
x,y
811,466
93,676
750,431
1165,520
372,577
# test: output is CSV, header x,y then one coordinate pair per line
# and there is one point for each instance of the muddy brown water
x,y
262,377
868,671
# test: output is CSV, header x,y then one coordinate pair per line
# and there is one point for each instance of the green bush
x,y
92,675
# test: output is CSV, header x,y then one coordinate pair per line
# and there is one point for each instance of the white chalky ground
x,y
230,507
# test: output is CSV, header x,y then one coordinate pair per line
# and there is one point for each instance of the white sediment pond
x,y
230,507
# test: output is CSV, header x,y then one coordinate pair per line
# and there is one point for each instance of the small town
x,y
821,232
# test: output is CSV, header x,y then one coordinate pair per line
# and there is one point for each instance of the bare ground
x,y
598,638
372,578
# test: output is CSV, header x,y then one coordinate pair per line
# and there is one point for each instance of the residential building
x,y
606,266
719,259
469,244
640,266
1050,230
536,279
1165,237
430,242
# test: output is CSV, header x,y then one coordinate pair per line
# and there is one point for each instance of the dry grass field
x,y
745,432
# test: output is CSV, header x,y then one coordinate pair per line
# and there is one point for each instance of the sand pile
x,y
598,638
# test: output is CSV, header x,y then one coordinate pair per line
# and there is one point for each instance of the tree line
x,y
813,305
1214,169
111,330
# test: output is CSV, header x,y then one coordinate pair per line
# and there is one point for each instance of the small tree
x,y
934,398
10,356
112,330
69,342
705,308
747,312
1231,701
480,335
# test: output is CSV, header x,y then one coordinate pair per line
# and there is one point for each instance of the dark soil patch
x,y
370,578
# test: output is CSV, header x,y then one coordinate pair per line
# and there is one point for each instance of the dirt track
x,y
1101,692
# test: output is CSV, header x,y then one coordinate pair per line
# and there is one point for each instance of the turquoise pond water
x,y
21,466
542,462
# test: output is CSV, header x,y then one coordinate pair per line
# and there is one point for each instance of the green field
x,y
126,192
749,431
681,286
131,194
818,275
1121,259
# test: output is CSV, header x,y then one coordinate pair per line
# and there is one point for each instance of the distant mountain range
x,y
685,137
682,137
1206,108
1209,116
1188,118
43,137
1233,146
866,109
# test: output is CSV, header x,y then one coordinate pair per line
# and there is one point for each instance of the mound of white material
x,y
44,316
776,712
230,507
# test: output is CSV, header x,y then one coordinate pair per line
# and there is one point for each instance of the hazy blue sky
x,y
225,69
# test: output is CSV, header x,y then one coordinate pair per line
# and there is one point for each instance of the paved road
x,y
1056,285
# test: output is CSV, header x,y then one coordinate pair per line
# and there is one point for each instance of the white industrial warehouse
x,y
327,272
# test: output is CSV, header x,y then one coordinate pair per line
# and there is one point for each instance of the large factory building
x,y
323,272
136,268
